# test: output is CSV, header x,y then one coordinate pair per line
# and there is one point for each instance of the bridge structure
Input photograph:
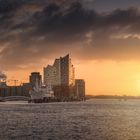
x,y
14,98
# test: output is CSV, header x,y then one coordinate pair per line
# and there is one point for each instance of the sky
x,y
102,37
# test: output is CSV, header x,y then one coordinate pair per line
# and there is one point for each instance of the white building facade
x,y
62,72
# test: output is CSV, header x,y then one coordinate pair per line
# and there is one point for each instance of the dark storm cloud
x,y
33,29
109,5
77,21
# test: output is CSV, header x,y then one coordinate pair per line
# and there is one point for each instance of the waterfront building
x,y
80,88
61,76
35,76
22,90
67,71
60,73
3,78
14,91
3,84
52,74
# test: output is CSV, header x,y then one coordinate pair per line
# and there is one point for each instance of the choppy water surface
x,y
90,120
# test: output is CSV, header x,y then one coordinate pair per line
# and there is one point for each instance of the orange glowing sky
x,y
102,77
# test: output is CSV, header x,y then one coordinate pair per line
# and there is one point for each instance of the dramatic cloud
x,y
33,30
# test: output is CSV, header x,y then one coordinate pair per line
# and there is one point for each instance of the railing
x,y
15,98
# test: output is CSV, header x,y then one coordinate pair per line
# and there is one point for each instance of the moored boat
x,y
41,93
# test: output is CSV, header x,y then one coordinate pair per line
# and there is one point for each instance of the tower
x,y
35,76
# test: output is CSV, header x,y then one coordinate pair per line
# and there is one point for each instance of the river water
x,y
91,120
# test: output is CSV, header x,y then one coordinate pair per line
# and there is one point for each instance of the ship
x,y
41,93
45,94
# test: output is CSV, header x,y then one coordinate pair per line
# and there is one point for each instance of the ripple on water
x,y
90,120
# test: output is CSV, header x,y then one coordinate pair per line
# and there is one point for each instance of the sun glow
x,y
101,77
110,77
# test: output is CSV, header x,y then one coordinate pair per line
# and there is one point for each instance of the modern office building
x,y
80,88
60,73
67,71
52,74
35,77
61,76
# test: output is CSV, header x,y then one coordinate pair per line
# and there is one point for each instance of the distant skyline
x,y
102,36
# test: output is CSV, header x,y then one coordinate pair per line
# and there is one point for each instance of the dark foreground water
x,y
90,120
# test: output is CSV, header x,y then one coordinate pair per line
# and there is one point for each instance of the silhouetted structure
x,y
14,91
67,71
35,76
80,88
